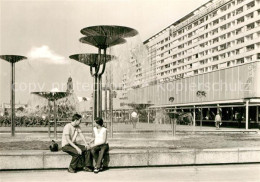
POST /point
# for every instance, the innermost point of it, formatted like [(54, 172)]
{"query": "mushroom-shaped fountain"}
[(94, 61), (53, 96), (102, 37), (12, 59)]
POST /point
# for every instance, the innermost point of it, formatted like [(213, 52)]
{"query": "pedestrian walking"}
[(218, 121)]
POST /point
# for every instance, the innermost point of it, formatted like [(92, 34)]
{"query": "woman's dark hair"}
[(76, 117), (99, 121)]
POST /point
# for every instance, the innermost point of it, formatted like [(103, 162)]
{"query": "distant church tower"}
[(70, 85)]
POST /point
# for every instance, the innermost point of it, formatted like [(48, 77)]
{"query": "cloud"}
[(46, 54)]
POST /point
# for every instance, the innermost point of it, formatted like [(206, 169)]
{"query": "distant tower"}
[(70, 85)]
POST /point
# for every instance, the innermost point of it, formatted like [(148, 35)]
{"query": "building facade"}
[(214, 49)]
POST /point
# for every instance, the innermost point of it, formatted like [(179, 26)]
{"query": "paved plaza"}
[(218, 173)]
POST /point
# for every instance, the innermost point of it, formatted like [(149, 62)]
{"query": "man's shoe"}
[(96, 170), (70, 170), (87, 169)]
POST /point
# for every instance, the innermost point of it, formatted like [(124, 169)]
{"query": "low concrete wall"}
[(131, 157)]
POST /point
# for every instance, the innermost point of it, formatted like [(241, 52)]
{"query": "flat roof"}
[(179, 21)]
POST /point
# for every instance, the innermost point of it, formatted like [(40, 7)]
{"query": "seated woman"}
[(100, 146)]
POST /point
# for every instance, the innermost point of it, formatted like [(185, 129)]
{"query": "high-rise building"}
[(213, 50)]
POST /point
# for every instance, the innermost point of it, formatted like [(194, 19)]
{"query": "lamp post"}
[(173, 116), (200, 94), (12, 59)]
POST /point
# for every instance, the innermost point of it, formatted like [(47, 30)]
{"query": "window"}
[(240, 61), (249, 37), (250, 47), (239, 10), (214, 14), (249, 58), (228, 63), (201, 37), (228, 54), (214, 67), (215, 49), (241, 40), (215, 40), (239, 1), (214, 31), (215, 22), (223, 37), (238, 31), (250, 15), (215, 58), (237, 51), (223, 8), (258, 56), (223, 18), (222, 47), (240, 20), (228, 15), (250, 26), (180, 31), (228, 35), (250, 5), (222, 56)]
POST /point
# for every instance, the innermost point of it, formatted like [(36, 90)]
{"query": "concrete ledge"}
[(215, 156), (131, 157), (249, 155)]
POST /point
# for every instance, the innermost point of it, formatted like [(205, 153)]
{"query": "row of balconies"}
[(231, 61), (214, 28), (252, 47), (234, 28), (218, 47)]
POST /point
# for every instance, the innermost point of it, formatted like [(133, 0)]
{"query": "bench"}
[(44, 159)]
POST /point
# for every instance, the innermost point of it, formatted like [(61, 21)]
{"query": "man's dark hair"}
[(76, 117), (99, 121)]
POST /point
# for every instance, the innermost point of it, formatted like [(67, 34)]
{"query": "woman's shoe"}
[(96, 170)]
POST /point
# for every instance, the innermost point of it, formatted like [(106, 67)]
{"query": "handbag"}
[(54, 147)]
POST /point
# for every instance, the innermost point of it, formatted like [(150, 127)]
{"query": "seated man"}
[(81, 157)]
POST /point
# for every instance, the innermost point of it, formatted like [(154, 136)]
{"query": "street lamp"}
[(12, 59), (173, 116), (200, 94)]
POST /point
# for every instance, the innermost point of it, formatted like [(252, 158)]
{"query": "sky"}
[(48, 31)]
